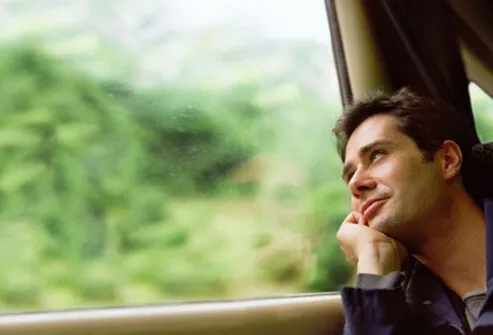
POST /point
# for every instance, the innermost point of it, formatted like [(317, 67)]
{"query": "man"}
[(417, 230)]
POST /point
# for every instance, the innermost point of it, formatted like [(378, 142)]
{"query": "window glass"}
[(163, 151), (483, 112)]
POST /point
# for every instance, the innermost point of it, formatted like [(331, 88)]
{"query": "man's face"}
[(390, 182)]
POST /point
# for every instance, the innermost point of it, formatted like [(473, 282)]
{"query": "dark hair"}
[(428, 123)]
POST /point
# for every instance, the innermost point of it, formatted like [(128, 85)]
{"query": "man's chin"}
[(380, 224)]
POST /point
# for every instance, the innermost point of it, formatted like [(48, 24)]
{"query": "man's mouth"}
[(371, 206)]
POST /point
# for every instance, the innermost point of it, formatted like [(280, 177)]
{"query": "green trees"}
[(191, 143), (112, 193), (92, 176), (68, 151), (71, 181)]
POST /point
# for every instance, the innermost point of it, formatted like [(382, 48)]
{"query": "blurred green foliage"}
[(112, 193)]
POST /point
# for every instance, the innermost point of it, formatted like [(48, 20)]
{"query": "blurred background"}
[(155, 151)]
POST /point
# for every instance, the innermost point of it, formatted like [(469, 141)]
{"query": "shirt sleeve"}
[(376, 305), (369, 281)]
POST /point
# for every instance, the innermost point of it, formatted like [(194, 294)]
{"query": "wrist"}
[(379, 260)]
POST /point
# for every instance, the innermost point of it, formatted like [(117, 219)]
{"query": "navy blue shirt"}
[(424, 306)]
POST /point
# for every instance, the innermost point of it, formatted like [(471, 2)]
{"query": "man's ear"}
[(451, 157)]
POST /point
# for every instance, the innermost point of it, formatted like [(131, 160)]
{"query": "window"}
[(162, 151), (483, 113)]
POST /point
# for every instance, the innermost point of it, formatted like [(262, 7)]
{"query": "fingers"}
[(349, 255), (352, 234), (345, 233), (355, 218), (348, 235), (360, 219), (350, 218)]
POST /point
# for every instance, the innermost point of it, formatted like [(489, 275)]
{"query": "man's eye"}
[(375, 154), (349, 177)]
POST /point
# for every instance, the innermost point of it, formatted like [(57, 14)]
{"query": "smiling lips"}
[(370, 206)]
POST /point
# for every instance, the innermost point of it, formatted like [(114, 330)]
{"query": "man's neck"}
[(455, 251)]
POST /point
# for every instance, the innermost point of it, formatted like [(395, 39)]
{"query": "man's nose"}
[(360, 183)]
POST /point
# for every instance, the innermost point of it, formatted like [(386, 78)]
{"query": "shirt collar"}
[(428, 297)]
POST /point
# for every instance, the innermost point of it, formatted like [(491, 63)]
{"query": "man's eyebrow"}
[(364, 150)]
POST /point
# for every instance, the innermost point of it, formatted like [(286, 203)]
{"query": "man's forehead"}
[(378, 128)]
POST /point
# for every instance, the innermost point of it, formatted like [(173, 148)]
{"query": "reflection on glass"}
[(166, 152)]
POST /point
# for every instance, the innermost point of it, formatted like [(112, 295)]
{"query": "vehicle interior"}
[(435, 47)]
